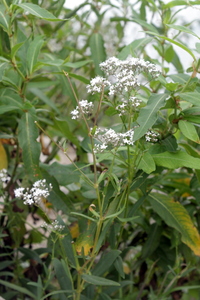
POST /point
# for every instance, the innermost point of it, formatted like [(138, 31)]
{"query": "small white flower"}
[(108, 138), (34, 195), (19, 192), (97, 85), (4, 177), (84, 107), (124, 73), (151, 136), (54, 226)]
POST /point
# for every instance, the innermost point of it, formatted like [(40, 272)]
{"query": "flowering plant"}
[(99, 153)]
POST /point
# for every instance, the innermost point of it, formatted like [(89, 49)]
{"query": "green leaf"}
[(83, 216), (64, 174), (177, 63), (176, 216), (79, 77), (170, 143), (10, 101), (77, 64), (153, 240), (189, 131), (33, 52), (146, 26), (63, 274), (98, 53), (180, 78), (173, 42), (132, 47), (64, 130), (192, 97), (3, 67), (176, 160), (147, 163), (192, 118), (182, 28), (179, 2), (4, 18), (15, 49), (18, 288), (27, 136), (169, 53), (119, 266), (96, 280), (44, 98), (105, 262), (30, 254), (148, 114), (39, 12), (55, 293)]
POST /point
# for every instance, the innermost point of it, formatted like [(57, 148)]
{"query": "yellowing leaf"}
[(176, 216), (85, 240), (126, 268), (74, 230), (3, 158)]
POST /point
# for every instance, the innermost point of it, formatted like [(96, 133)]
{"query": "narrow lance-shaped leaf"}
[(38, 11), (96, 280), (176, 216), (192, 97), (27, 136), (173, 42), (147, 163), (176, 160), (18, 288), (97, 51), (33, 52), (132, 47), (182, 28), (105, 262), (10, 101), (189, 131), (63, 274), (4, 19), (148, 114), (180, 2)]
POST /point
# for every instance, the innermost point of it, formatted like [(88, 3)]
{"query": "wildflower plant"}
[(120, 220)]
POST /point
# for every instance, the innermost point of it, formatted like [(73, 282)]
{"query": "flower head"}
[(4, 177), (97, 85), (54, 226), (84, 107), (108, 138), (151, 136), (34, 195), (123, 74)]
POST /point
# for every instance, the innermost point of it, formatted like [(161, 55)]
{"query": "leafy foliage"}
[(122, 218)]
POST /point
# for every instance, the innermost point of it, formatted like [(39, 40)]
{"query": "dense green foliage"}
[(121, 223)]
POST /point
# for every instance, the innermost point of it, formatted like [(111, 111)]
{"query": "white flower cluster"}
[(151, 136), (84, 107), (126, 106), (4, 177), (123, 75), (97, 85), (31, 196), (54, 226), (110, 138)]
